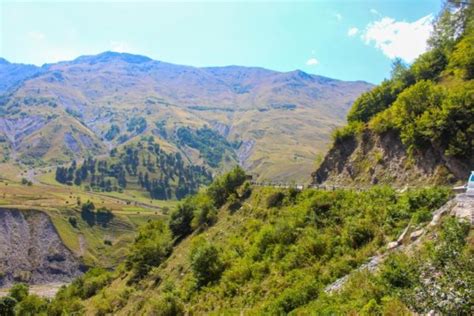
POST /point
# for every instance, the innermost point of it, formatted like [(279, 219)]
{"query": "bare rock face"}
[(370, 159), (31, 250), (416, 234)]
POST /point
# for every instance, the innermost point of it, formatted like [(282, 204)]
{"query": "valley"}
[(132, 186)]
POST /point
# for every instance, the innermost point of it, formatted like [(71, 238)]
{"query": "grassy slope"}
[(267, 284), (60, 203)]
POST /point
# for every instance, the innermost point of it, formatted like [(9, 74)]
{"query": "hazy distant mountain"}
[(276, 122), (13, 74)]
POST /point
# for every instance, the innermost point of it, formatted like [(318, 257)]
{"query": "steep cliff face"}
[(32, 251), (370, 158)]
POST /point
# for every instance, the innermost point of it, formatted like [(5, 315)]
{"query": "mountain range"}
[(275, 122)]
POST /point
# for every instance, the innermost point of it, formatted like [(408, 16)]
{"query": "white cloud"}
[(352, 31), (120, 47), (338, 16), (312, 62), (406, 40), (375, 12), (35, 35)]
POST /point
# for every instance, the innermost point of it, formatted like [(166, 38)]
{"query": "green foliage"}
[(397, 272), (180, 220), (264, 259), (206, 264), (275, 199), (372, 102), (435, 277), (25, 181), (19, 291), (411, 104), (279, 259), (31, 305), (351, 130), (452, 124), (73, 221), (205, 213), (136, 125), (226, 185), (151, 247), (430, 65), (145, 165), (294, 297), (382, 96), (210, 144), (358, 234), (113, 132), (201, 209), (89, 214), (68, 300), (91, 282), (7, 306), (167, 305), (429, 104), (462, 58)]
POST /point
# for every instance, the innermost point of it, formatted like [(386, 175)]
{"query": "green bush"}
[(7, 306), (462, 59), (347, 132), (19, 291), (275, 199), (206, 264), (225, 185), (429, 65), (180, 220), (372, 102), (167, 304), (409, 108), (151, 247), (31, 305)]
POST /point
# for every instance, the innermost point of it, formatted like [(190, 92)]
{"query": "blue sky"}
[(345, 39)]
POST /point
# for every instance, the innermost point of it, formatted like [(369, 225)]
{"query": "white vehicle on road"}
[(470, 185)]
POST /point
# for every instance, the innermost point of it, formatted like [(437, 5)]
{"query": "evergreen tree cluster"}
[(143, 165), (211, 145)]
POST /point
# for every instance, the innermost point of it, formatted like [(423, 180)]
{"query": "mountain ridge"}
[(99, 93)]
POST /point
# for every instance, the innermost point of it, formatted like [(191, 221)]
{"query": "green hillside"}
[(260, 250), (140, 166), (417, 126), (392, 239)]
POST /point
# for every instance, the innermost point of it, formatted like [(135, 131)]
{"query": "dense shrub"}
[(7, 306), (349, 131), (206, 264), (372, 102), (166, 305), (225, 185), (429, 65), (151, 247), (275, 199), (19, 291), (462, 58), (201, 210), (31, 305), (211, 145), (180, 220)]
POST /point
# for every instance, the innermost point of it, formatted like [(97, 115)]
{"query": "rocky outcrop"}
[(371, 158), (32, 251)]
